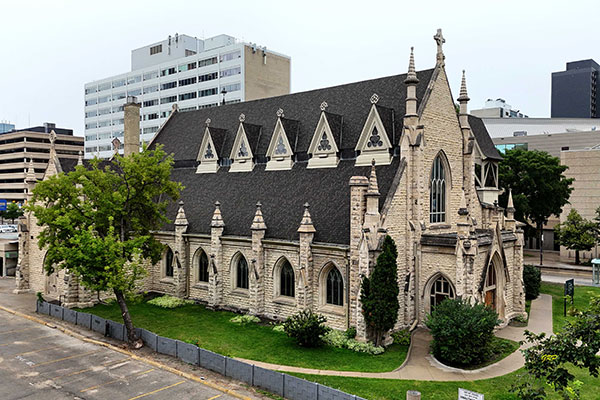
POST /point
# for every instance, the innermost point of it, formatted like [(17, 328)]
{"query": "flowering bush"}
[(244, 319), (169, 302), (340, 339)]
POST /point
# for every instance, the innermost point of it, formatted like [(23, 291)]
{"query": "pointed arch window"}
[(335, 287), (203, 267), (441, 290), (169, 263), (241, 270), (437, 201), (287, 280)]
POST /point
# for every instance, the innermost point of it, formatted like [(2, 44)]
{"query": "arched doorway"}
[(490, 293)]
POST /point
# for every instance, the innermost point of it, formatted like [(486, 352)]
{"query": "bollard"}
[(413, 395)]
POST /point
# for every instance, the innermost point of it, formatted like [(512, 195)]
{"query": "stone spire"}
[(439, 39), (306, 225), (258, 224), (80, 158), (510, 206), (181, 219), (463, 89), (373, 189), (510, 222), (217, 219), (411, 91), (411, 76), (53, 167), (30, 176)]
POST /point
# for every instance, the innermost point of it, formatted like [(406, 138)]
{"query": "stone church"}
[(287, 201)]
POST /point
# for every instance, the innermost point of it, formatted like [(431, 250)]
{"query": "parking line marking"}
[(17, 330), (156, 391), (215, 397), (108, 364), (66, 358), (36, 351), (28, 340), (116, 380)]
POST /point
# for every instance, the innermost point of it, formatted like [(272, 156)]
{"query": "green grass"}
[(581, 300), (394, 389), (213, 331)]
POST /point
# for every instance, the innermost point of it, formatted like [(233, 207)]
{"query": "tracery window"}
[(243, 150), (324, 143), (280, 148), (169, 263), (209, 153), (437, 201), (242, 273), (203, 267), (374, 139), (286, 280), (335, 287), (441, 290)]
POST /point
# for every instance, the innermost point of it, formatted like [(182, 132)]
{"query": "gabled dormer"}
[(374, 142), (210, 146), (244, 145), (283, 142), (323, 147)]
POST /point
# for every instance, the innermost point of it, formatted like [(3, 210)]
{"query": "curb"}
[(128, 353)]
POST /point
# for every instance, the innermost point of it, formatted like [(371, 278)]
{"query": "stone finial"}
[(207, 122), (280, 113), (217, 218), (306, 225), (411, 76), (463, 89), (324, 106), (258, 224), (242, 117), (373, 189), (30, 176), (175, 108), (510, 206), (180, 219), (116, 143), (374, 98), (52, 137), (440, 40), (80, 158), (462, 208)]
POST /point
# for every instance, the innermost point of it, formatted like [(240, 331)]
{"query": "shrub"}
[(351, 332), (244, 319), (279, 328), (462, 333), (532, 279), (340, 339), (306, 327), (401, 337), (167, 301)]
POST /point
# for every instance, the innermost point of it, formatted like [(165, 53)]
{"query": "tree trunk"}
[(132, 338), (541, 233), (577, 257)]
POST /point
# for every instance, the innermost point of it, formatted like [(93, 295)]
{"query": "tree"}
[(13, 211), (97, 221), (379, 292), (538, 186), (576, 233), (549, 357)]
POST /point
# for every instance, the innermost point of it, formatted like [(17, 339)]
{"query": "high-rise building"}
[(575, 91), (28, 150), (184, 71), (498, 108), (6, 127)]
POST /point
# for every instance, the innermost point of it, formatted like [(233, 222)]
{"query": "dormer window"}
[(323, 147), (374, 142), (280, 150), (207, 155), (241, 152)]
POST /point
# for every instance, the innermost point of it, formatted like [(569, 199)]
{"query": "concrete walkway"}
[(421, 366)]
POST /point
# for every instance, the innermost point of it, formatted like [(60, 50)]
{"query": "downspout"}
[(417, 280), (348, 293)]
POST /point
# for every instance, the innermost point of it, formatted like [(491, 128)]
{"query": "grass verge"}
[(500, 348), (212, 330), (581, 300)]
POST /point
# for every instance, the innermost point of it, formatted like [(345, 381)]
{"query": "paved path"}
[(421, 366), (37, 361)]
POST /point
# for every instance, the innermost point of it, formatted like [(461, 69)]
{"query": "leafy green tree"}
[(13, 211), (549, 357), (97, 221), (539, 187), (576, 233), (379, 292), (532, 280)]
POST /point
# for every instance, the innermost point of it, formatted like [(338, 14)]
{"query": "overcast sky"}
[(50, 49)]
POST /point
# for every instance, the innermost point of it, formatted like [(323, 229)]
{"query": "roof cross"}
[(439, 39)]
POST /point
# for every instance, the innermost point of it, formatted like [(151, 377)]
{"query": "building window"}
[(134, 92), (230, 56), (168, 99), (156, 49), (165, 114), (150, 103), (231, 88), (134, 79), (119, 96), (150, 75), (169, 263), (206, 62), (188, 81), (187, 67), (286, 280), (103, 99), (208, 77), (231, 72), (90, 114), (151, 116), (441, 290), (190, 53), (335, 287), (203, 267), (150, 89), (104, 86), (208, 92), (187, 96), (91, 102), (168, 71), (91, 89), (150, 129), (241, 272), (168, 85), (118, 83), (437, 202)]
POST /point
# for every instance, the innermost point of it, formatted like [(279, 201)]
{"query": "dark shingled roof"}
[(483, 138), (283, 193)]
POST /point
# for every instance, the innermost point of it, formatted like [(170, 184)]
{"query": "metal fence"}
[(282, 384)]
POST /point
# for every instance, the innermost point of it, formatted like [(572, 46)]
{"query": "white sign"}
[(464, 394)]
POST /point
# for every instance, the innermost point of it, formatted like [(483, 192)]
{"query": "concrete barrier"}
[(327, 393), (70, 315), (270, 380), (43, 308), (239, 370), (98, 324), (56, 311), (213, 361), (150, 339), (84, 319), (188, 353), (167, 346), (116, 330), (299, 389)]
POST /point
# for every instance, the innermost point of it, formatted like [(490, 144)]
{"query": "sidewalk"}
[(421, 366)]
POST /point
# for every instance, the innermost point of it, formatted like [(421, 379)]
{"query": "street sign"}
[(464, 394), (2, 205), (569, 291)]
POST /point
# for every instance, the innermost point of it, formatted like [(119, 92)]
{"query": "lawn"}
[(212, 330), (581, 300)]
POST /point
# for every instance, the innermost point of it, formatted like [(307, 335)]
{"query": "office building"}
[(516, 127), (497, 109), (19, 147), (575, 91), (6, 127), (183, 72)]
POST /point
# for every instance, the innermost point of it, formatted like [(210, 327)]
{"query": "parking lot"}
[(38, 362)]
